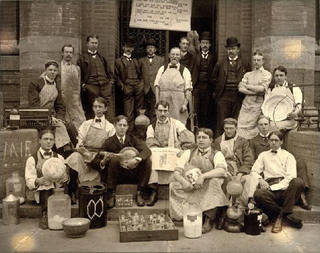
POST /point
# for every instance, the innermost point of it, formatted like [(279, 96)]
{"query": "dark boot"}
[(140, 200), (207, 225), (44, 220), (111, 199), (304, 203), (292, 221), (220, 218), (153, 198), (277, 226)]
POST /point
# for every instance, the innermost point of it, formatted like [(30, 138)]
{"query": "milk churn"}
[(16, 185), (92, 204), (252, 220), (59, 209), (10, 210), (192, 220)]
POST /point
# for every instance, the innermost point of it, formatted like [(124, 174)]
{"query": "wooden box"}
[(147, 228), (124, 200)]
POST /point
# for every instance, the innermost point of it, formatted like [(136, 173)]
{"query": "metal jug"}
[(11, 210)]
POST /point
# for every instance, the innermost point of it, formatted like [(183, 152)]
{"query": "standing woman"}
[(46, 93)]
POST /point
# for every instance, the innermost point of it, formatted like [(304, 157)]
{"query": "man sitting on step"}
[(166, 132), (135, 170)]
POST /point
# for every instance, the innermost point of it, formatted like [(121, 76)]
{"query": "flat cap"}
[(230, 121)]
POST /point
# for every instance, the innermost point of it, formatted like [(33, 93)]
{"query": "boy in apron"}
[(40, 188), (92, 134)]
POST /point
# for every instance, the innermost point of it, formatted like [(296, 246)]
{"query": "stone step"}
[(124, 189), (31, 210)]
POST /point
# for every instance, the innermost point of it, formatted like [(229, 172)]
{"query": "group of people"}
[(97, 143)]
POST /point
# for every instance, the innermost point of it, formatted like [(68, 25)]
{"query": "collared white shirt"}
[(65, 63), (49, 79), (205, 54), (84, 128), (275, 165), (128, 56), (235, 58), (91, 52), (163, 122), (123, 138), (264, 136)]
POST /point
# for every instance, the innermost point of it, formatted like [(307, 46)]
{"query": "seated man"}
[(261, 143), (92, 134), (137, 169), (280, 188), (45, 92), (205, 190), (239, 157), (166, 132), (40, 188)]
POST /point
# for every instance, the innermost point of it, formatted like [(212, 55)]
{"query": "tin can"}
[(11, 210)]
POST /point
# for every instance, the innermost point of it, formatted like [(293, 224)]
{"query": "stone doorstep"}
[(31, 210)]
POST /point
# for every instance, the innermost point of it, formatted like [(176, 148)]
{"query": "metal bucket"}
[(252, 221), (92, 204), (10, 210)]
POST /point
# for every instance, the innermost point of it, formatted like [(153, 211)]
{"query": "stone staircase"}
[(31, 210)]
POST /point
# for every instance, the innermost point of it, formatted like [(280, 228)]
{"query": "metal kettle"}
[(10, 210)]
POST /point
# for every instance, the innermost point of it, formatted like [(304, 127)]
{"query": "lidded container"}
[(10, 210), (192, 220), (59, 209), (141, 124), (16, 185)]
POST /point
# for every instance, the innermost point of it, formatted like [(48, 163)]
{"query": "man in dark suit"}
[(188, 60), (96, 78), (261, 143), (128, 75), (150, 65), (202, 90), (135, 170), (225, 79)]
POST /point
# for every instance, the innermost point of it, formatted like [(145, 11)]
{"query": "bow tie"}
[(98, 120), (128, 58), (274, 152), (232, 62), (265, 138), (150, 57), (49, 83), (173, 66), (47, 153), (93, 54), (205, 56)]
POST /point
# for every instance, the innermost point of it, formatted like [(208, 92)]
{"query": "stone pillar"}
[(285, 32), (45, 26)]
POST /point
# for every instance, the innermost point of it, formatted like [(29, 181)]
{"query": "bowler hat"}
[(129, 42), (230, 121), (205, 36), (232, 42), (150, 42)]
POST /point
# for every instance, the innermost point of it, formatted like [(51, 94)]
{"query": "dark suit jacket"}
[(149, 71), (242, 151), (190, 62), (34, 100), (112, 144), (120, 69), (258, 145), (83, 62), (210, 63), (219, 75)]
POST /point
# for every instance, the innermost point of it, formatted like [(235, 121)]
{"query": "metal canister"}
[(252, 221), (10, 210)]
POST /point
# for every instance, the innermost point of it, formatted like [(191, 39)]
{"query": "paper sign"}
[(174, 15)]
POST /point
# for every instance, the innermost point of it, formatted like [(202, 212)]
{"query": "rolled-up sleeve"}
[(219, 161), (182, 161), (159, 74), (31, 173)]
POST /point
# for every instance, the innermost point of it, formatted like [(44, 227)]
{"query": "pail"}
[(92, 203), (192, 221), (252, 221)]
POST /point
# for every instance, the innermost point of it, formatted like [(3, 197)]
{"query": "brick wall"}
[(234, 18), (102, 18)]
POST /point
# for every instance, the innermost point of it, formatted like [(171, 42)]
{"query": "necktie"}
[(172, 66), (98, 120), (273, 151), (205, 56), (47, 153), (265, 138), (121, 140), (50, 83), (233, 62), (202, 152), (129, 59), (94, 54)]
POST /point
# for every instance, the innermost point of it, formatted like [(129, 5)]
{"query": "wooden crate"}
[(139, 232)]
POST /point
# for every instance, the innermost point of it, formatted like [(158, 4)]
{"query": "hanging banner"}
[(174, 15)]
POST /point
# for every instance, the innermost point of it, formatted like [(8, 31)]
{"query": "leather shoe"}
[(220, 223), (140, 200), (207, 225), (277, 226), (44, 221), (304, 203), (294, 222), (263, 228), (111, 200), (153, 198)]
